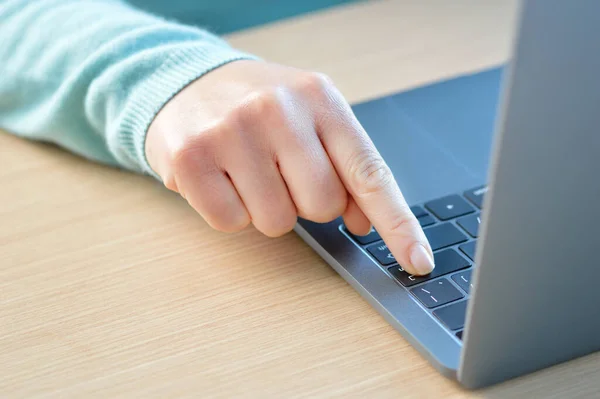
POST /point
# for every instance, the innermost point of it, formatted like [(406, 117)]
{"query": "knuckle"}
[(315, 83), (327, 209), (260, 106), (183, 159), (280, 225), (193, 156), (338, 206), (229, 225), (193, 151), (368, 173), (402, 223), (220, 213)]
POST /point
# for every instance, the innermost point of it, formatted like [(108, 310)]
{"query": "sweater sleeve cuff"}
[(177, 71)]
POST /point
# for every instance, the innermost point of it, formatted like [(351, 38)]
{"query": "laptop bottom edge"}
[(446, 366)]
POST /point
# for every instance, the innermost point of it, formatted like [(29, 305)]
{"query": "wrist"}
[(149, 97)]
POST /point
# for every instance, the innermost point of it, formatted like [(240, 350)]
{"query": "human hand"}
[(263, 143)]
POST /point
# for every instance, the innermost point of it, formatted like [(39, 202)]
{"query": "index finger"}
[(370, 182)]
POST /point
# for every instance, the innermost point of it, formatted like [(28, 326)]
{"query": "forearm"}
[(91, 75)]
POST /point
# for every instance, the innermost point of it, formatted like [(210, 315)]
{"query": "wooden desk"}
[(112, 286)]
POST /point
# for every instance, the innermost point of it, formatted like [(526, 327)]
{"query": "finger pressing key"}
[(371, 184)]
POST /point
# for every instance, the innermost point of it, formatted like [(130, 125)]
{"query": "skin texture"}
[(254, 142)]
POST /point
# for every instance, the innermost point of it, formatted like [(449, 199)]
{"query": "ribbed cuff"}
[(175, 73)]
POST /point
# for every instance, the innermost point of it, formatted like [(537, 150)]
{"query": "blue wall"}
[(224, 16)]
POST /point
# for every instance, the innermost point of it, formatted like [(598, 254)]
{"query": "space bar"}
[(444, 235)]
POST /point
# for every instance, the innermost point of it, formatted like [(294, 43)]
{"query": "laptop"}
[(502, 169)]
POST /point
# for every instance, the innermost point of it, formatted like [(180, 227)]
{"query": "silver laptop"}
[(510, 202)]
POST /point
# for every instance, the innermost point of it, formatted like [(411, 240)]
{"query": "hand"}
[(262, 143)]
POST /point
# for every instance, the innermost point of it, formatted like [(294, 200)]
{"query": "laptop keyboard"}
[(451, 225)]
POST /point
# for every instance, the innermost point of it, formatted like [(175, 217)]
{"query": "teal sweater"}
[(90, 75)]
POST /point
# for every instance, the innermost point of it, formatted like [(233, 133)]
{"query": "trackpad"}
[(437, 138)]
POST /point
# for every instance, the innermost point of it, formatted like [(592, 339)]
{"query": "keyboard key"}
[(436, 293), (459, 334), (470, 224), (418, 211), (449, 207), (453, 316), (446, 261), (469, 249), (476, 195), (426, 220), (444, 235), (369, 238), (381, 252), (463, 280)]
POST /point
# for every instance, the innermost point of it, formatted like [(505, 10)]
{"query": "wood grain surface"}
[(111, 286)]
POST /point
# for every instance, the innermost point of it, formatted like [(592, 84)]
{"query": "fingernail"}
[(421, 260)]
